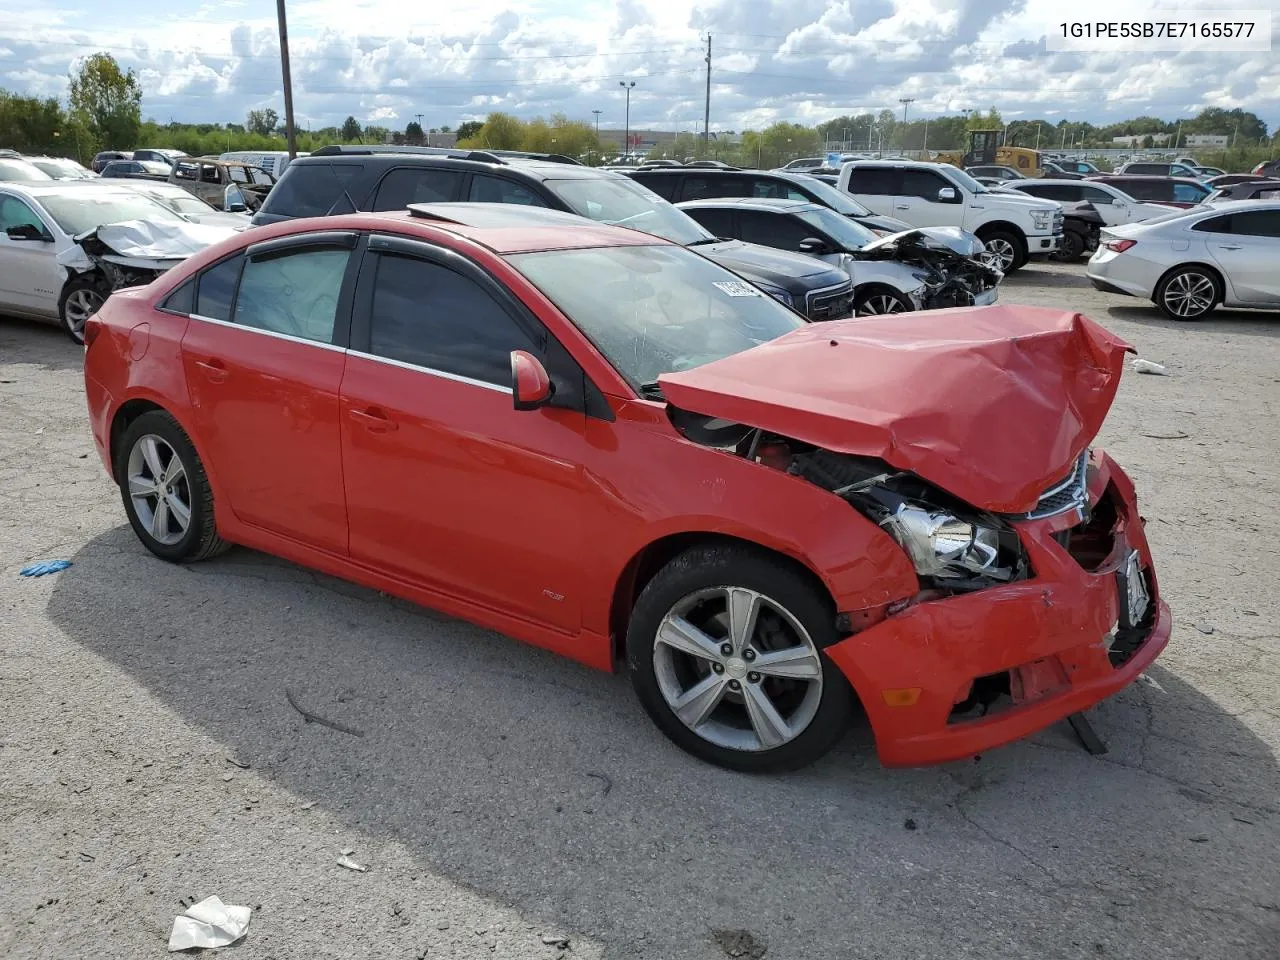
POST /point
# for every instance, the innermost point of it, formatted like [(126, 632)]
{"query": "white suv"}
[(1013, 227)]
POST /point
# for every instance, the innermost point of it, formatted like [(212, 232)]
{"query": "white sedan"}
[(1192, 261), (46, 274)]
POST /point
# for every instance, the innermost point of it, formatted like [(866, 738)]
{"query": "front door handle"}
[(1229, 246), (213, 370), (373, 420), (902, 206)]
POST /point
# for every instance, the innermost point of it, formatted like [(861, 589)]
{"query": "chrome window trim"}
[(267, 333), (431, 371)]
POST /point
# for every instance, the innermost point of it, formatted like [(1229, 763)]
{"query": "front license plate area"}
[(1131, 586), (985, 298)]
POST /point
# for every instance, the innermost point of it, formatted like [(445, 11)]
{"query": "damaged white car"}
[(917, 269), (65, 247)]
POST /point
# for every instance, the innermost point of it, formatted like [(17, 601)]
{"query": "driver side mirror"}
[(948, 195), (233, 200), (26, 231), (531, 388), (814, 246)]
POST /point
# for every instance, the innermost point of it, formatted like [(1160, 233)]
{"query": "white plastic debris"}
[(1150, 366), (209, 923), (346, 861)]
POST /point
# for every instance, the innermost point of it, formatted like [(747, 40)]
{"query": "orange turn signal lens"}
[(902, 696)]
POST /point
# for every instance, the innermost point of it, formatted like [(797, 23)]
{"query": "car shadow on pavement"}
[(1250, 323), (1030, 276), (542, 783), (43, 344)]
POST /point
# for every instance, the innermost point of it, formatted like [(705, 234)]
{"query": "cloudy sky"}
[(803, 60)]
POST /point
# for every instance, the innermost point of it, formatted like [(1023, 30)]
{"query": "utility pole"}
[(706, 110), (1037, 136), (597, 113), (626, 149), (290, 134), (904, 101)]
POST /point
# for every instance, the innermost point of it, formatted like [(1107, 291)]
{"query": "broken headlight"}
[(945, 546)]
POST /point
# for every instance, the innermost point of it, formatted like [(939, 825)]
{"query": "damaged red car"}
[(606, 445)]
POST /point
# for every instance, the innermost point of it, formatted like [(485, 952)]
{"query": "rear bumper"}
[(1048, 635), (100, 404)]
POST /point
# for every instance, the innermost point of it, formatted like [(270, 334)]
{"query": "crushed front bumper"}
[(1052, 637)]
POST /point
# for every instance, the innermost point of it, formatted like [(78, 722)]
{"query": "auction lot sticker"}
[(1153, 31)]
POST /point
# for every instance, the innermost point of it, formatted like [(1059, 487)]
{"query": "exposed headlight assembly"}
[(944, 546)]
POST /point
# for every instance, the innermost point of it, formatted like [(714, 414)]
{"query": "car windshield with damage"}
[(81, 212), (848, 233), (625, 203), (656, 309)]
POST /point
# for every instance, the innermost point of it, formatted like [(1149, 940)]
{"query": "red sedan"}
[(606, 445)]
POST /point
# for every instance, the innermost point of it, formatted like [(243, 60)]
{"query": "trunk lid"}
[(992, 404)]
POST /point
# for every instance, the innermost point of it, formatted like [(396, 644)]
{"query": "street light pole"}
[(290, 133), (626, 150), (597, 113)]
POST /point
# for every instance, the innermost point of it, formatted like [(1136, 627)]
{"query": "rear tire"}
[(165, 490), (1188, 293), (1072, 248), (774, 701)]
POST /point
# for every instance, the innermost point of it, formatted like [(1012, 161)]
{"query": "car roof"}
[(530, 166), (771, 204), (1239, 206), (47, 188), (1053, 181), (507, 228)]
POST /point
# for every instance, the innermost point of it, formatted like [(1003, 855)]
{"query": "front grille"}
[(1070, 493), (830, 303)]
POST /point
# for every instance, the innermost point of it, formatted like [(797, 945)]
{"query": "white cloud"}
[(805, 60)]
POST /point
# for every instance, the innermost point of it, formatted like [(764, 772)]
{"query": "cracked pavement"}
[(503, 798)]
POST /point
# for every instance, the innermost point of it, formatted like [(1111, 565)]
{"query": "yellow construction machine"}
[(987, 148)]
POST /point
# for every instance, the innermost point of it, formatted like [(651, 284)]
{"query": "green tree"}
[(350, 130), (413, 130), (263, 122), (500, 131), (107, 101), (32, 125), (468, 129)]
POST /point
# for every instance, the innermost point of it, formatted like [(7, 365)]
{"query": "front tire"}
[(82, 297), (166, 492), (1188, 293), (1007, 249), (879, 301), (724, 651), (1072, 248)]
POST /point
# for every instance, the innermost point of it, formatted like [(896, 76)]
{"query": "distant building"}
[(1138, 139), (1206, 140), (426, 140)]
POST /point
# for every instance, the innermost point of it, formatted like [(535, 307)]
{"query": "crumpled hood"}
[(159, 239), (958, 241), (762, 260), (992, 404)]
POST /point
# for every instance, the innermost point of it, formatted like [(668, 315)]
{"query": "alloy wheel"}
[(881, 303), (1190, 295), (159, 489), (738, 669), (80, 306), (1002, 253)]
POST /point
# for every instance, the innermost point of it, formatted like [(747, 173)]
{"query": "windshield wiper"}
[(698, 243), (651, 390)]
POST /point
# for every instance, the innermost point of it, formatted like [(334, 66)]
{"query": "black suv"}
[(336, 180), (698, 184)]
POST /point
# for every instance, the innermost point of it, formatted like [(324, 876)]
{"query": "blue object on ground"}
[(43, 567)]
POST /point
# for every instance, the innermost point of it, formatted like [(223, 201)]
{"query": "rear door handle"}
[(1229, 246), (902, 206), (213, 369), (373, 420)]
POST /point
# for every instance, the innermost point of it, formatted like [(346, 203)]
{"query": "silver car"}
[(1191, 261)]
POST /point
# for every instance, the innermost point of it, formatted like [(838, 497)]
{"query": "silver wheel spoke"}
[(160, 520), (140, 486), (679, 634), (744, 608), (794, 663), (174, 471), (151, 455), (696, 704), (767, 723), (181, 513)]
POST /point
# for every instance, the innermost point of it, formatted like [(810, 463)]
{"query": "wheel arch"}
[(653, 556), (1006, 226), (1208, 268), (129, 411)]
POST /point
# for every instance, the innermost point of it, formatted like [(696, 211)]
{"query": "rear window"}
[(664, 185), (310, 189)]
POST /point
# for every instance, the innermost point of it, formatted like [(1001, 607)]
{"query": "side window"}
[(293, 293), (876, 181), (15, 213), (699, 188), (1257, 223), (428, 315), (486, 189), (1214, 225), (407, 185), (772, 229), (1144, 190), (664, 185), (217, 288), (182, 300), (1094, 195), (924, 184), (770, 189), (235, 174), (717, 222), (1187, 193), (311, 189)]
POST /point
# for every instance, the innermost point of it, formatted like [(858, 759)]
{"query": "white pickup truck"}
[(1013, 227)]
